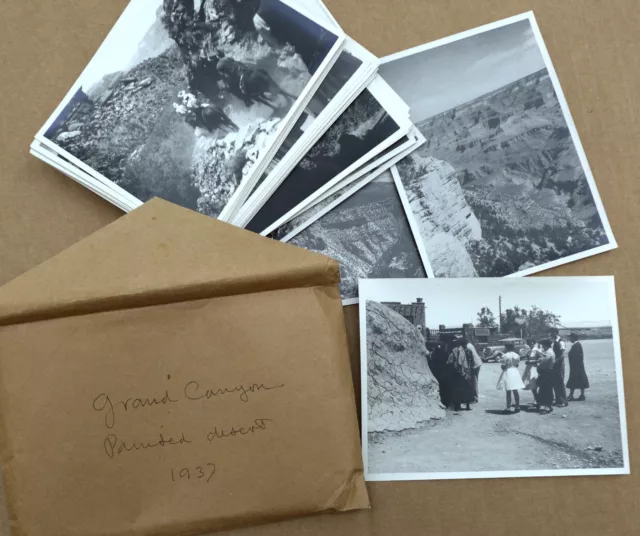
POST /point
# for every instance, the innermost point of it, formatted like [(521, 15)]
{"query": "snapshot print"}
[(344, 188), (492, 377), (367, 232), (343, 74), (365, 129), (502, 185), (185, 96)]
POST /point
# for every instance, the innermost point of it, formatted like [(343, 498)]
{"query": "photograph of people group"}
[(491, 377)]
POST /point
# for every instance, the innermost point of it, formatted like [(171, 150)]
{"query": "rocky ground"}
[(369, 235), (583, 435)]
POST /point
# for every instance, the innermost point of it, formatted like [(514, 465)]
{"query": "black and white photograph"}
[(367, 232), (349, 75), (502, 186), (342, 191), (368, 127), (491, 378), (186, 97)]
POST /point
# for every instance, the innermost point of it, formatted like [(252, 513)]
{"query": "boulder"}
[(402, 392)]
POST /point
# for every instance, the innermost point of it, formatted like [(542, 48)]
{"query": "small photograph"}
[(362, 132), (502, 186), (342, 191), (367, 232), (186, 96), (344, 68), (491, 378), (345, 74)]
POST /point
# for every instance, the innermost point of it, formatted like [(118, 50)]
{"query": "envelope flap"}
[(159, 253)]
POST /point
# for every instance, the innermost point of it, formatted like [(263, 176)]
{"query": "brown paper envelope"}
[(174, 374)]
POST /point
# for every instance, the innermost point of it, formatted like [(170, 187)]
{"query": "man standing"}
[(559, 389), (477, 363)]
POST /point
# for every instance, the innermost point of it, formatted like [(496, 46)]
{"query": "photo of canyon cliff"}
[(500, 186), (368, 234), (186, 96)]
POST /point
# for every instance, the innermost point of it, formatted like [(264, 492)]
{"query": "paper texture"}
[(131, 406)]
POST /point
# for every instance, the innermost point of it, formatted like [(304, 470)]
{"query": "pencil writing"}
[(114, 445), (103, 403), (221, 433), (193, 391)]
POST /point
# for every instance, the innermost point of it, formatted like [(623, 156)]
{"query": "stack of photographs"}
[(457, 158), (499, 184), (187, 100)]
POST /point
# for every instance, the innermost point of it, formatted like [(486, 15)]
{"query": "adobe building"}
[(413, 312)]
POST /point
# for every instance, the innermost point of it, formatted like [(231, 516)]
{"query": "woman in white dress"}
[(510, 379)]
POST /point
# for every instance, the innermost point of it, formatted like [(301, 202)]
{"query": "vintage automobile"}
[(494, 352)]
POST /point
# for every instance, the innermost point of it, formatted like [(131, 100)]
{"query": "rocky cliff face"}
[(446, 221), (126, 127), (401, 390), (512, 153), (129, 105), (369, 235)]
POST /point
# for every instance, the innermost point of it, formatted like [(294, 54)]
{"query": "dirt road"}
[(583, 435)]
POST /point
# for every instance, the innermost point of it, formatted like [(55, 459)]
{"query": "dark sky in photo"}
[(436, 80)]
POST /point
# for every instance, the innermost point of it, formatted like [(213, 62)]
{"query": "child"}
[(510, 377)]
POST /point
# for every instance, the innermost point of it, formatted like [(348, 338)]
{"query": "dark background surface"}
[(594, 46)]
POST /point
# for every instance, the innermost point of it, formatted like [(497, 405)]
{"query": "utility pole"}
[(500, 313)]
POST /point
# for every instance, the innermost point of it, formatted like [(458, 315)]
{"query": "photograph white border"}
[(57, 163), (389, 154), (332, 111), (388, 477), (354, 189), (529, 16), (128, 19), (392, 104), (352, 173)]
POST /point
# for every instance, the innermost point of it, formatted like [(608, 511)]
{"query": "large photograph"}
[(492, 377), (185, 97), (502, 185), (367, 232)]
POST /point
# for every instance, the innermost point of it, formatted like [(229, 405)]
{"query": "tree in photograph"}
[(536, 321), (509, 323), (539, 322), (486, 319)]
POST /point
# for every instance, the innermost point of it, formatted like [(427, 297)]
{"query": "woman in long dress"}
[(544, 382), (577, 374), (510, 379), (460, 365)]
